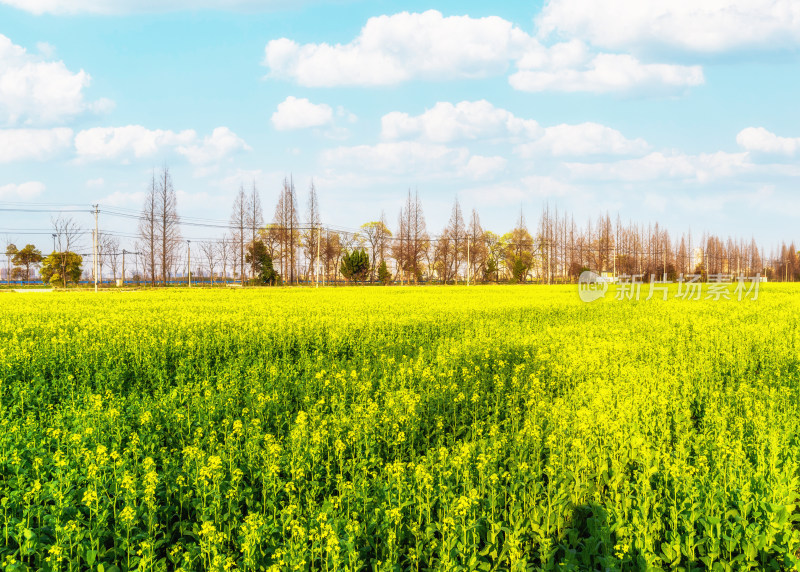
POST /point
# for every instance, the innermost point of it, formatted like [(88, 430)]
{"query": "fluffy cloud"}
[(516, 192), (660, 166), (400, 47), (446, 122), (36, 144), (480, 167), (470, 120), (121, 142), (34, 91), (414, 158), (707, 26), (22, 191), (300, 113), (221, 143), (397, 158), (760, 140), (406, 46), (102, 143), (137, 6), (582, 139), (601, 73)]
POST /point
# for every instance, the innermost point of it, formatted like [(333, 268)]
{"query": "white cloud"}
[(300, 113), (546, 186), (446, 122), (138, 6), (235, 177), (221, 143), (472, 120), (764, 141), (46, 49), (123, 143), (706, 26), (479, 167), (346, 115), (421, 160), (660, 166), (397, 158), (602, 73), (33, 144), (528, 188), (95, 183), (405, 46), (22, 191), (34, 91), (582, 139), (400, 47)]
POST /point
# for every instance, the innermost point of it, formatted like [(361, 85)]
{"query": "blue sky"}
[(661, 111)]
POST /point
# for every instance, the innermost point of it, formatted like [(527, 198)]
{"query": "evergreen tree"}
[(384, 276), (355, 265)]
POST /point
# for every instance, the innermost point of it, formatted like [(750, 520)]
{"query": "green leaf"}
[(90, 556)]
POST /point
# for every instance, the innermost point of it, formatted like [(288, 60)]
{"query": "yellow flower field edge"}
[(462, 428)]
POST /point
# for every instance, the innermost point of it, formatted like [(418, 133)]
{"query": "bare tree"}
[(254, 218), (11, 249), (167, 224), (401, 246), (112, 254), (294, 231), (107, 253), (444, 256), (419, 241), (225, 251), (210, 251), (67, 232), (287, 226), (384, 238), (477, 251), (411, 245), (239, 226), (311, 236), (148, 232), (331, 253), (457, 234)]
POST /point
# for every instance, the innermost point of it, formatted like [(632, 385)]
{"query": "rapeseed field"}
[(427, 428)]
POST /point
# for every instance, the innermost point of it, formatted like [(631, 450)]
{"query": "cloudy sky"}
[(676, 111)]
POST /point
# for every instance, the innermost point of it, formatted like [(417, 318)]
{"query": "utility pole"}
[(54, 241), (468, 266), (96, 240), (123, 266), (615, 262), (319, 240), (189, 261)]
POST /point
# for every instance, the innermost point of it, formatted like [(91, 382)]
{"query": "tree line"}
[(295, 247)]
